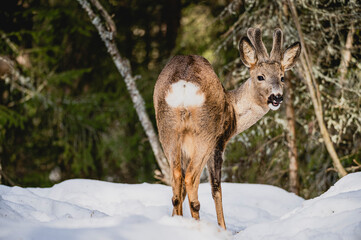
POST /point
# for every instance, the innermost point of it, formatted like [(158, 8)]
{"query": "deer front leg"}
[(214, 168)]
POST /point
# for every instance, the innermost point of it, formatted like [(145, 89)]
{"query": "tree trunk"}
[(291, 139), (346, 54), (315, 94), (107, 33)]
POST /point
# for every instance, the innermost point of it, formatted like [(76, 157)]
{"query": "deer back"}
[(189, 98)]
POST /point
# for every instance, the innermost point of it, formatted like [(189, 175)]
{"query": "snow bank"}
[(89, 209), (334, 215)]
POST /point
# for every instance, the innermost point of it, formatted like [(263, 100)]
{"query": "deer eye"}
[(282, 79), (260, 78)]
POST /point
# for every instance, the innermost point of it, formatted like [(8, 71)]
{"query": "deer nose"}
[(278, 98), (276, 90)]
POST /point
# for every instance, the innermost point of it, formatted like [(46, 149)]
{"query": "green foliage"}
[(74, 114), (325, 28), (9, 118), (69, 109)]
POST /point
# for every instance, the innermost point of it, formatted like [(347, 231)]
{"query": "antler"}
[(276, 53), (255, 35)]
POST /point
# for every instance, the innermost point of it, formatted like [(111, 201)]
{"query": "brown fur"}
[(193, 136)]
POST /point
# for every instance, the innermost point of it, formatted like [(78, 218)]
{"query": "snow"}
[(89, 209)]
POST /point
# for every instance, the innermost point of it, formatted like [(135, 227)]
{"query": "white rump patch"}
[(184, 94)]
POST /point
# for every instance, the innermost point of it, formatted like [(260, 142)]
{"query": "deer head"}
[(267, 72)]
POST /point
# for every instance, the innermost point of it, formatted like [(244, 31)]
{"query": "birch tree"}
[(107, 31)]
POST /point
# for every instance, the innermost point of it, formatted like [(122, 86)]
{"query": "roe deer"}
[(196, 116)]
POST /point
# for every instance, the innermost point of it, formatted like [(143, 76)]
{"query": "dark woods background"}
[(65, 111)]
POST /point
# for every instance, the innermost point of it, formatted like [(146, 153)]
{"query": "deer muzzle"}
[(274, 101)]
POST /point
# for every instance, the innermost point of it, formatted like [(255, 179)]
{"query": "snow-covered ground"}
[(88, 209)]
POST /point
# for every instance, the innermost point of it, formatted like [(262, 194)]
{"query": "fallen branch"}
[(3, 175)]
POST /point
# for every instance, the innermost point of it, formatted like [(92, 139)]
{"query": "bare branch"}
[(232, 9), (11, 75), (111, 25), (125, 71), (315, 94), (346, 54)]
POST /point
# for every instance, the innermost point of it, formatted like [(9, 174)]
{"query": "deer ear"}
[(247, 52), (290, 56)]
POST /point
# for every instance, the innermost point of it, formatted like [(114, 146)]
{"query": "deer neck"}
[(248, 110)]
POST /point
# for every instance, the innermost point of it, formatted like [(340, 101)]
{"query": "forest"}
[(77, 80)]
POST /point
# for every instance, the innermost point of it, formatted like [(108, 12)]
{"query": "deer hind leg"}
[(192, 184), (192, 178), (214, 168), (177, 183)]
